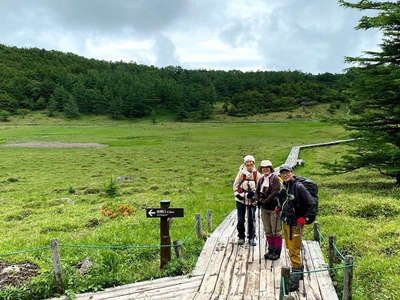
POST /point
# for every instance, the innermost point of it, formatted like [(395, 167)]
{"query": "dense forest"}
[(37, 79)]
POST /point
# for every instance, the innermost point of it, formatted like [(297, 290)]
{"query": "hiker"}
[(299, 208), (244, 188), (268, 188)]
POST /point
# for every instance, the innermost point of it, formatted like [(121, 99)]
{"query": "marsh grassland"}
[(66, 193)]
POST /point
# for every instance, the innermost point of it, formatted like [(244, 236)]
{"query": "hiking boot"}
[(241, 242), (269, 253), (276, 254), (252, 242), (294, 281)]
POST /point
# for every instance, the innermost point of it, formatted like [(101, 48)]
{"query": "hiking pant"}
[(293, 244), (242, 211), (272, 223)]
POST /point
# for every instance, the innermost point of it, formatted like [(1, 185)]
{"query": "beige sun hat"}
[(264, 164)]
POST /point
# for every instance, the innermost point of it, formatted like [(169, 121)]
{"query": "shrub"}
[(112, 189), (4, 116)]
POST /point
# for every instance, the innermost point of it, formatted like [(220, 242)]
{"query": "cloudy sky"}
[(308, 35)]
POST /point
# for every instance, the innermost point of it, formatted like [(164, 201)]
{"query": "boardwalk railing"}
[(55, 245)]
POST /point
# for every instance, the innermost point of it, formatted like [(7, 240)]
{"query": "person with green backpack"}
[(299, 206)]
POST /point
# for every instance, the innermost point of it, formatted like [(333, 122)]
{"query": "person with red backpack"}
[(299, 206), (268, 188), (244, 188)]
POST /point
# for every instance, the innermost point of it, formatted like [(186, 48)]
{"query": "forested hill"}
[(37, 79)]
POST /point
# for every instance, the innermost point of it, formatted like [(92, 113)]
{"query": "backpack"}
[(312, 188), (244, 178)]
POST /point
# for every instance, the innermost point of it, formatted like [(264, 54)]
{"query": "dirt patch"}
[(16, 275), (54, 145)]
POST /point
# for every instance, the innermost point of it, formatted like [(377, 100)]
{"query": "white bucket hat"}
[(264, 164)]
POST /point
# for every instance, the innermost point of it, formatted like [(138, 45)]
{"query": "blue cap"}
[(285, 168)]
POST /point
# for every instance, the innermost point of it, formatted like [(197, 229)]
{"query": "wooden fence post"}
[(332, 251), (285, 273), (198, 226), (57, 266), (178, 249), (316, 232), (209, 220), (348, 278)]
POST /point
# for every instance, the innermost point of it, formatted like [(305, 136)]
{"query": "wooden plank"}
[(133, 292), (239, 271), (218, 259), (139, 286), (263, 265), (223, 282), (206, 253), (212, 272), (276, 266), (310, 279), (328, 143), (162, 293), (324, 280), (270, 279), (252, 280)]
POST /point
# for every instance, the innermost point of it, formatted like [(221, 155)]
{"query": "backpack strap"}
[(255, 176)]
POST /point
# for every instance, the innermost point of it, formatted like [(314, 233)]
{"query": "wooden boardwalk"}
[(227, 271)]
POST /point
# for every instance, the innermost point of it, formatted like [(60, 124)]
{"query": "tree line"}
[(37, 79)]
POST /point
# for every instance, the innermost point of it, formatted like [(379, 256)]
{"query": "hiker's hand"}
[(300, 222), (277, 210), (240, 197), (250, 194)]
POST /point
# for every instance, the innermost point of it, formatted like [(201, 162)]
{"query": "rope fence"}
[(117, 247), (25, 251)]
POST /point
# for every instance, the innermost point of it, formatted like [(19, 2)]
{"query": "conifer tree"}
[(375, 95)]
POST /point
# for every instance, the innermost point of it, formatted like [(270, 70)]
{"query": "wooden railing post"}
[(285, 273), (198, 226), (178, 249), (316, 232), (209, 220), (348, 278), (57, 266), (332, 251)]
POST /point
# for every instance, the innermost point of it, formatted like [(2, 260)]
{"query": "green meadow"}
[(191, 164)]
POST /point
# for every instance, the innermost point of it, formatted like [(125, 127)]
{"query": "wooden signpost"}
[(164, 213)]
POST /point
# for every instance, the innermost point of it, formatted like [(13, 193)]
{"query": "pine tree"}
[(52, 107), (71, 109), (375, 95)]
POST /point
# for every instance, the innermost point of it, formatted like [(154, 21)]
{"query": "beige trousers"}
[(272, 223)]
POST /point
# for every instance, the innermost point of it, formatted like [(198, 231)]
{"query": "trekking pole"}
[(302, 260), (259, 225)]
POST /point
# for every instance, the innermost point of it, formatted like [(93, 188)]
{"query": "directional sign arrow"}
[(167, 213)]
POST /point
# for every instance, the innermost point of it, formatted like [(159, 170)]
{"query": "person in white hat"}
[(268, 188), (244, 188)]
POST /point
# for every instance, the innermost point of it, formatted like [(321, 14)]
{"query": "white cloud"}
[(312, 36)]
